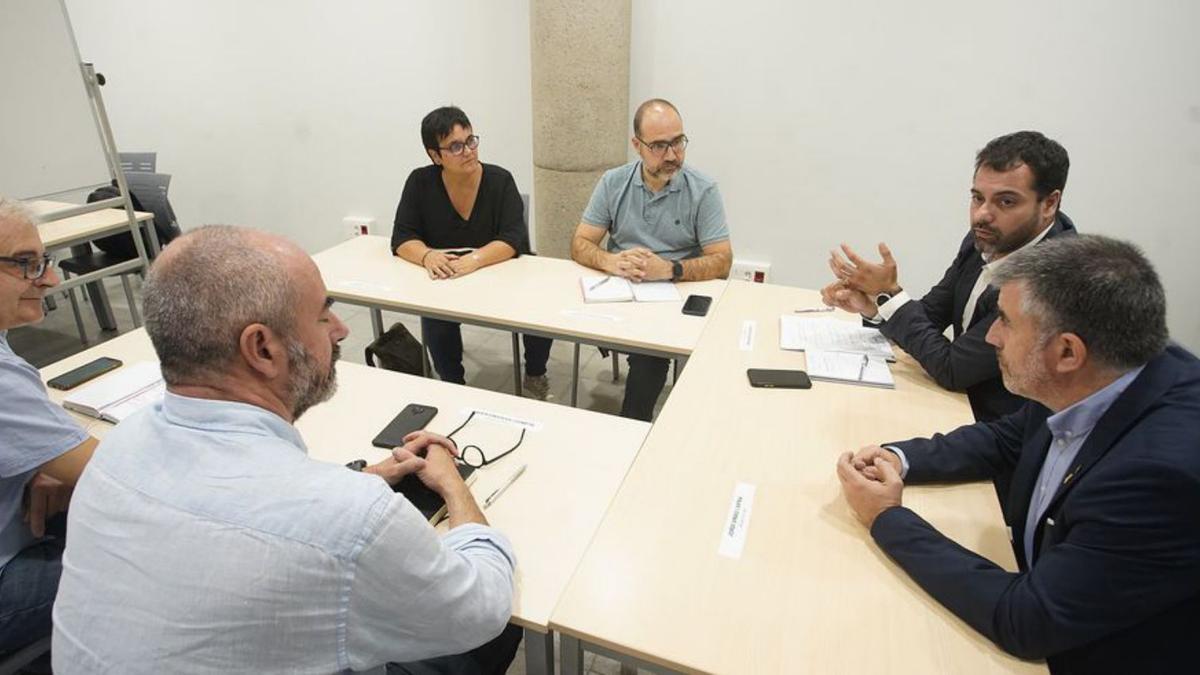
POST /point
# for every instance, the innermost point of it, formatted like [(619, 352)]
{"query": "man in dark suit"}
[(1015, 199), (1105, 500)]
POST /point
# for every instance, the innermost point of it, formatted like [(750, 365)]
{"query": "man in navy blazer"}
[(1105, 500), (1016, 195)]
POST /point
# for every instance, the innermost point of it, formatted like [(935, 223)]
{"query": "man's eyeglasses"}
[(31, 268), (457, 147), (472, 455), (659, 148)]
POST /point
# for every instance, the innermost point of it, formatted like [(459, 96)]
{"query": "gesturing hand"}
[(863, 275), (838, 294)]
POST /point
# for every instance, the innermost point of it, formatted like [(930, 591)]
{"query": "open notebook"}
[(120, 393), (869, 371), (616, 289)]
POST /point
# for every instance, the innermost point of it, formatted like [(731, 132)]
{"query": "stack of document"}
[(831, 335), (839, 351), (849, 368), (119, 394), (616, 289)]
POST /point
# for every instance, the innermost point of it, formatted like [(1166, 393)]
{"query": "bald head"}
[(211, 283), (656, 107)]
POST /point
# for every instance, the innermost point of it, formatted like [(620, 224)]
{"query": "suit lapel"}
[(1033, 455), (1124, 413)]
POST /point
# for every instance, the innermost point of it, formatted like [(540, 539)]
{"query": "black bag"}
[(398, 350)]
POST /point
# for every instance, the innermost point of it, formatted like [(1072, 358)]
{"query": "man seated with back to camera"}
[(204, 539)]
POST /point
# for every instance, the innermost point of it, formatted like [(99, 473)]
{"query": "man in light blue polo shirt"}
[(42, 450), (663, 221)]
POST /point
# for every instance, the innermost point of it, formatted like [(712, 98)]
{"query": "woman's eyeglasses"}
[(457, 147)]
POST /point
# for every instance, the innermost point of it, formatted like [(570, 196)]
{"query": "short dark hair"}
[(1046, 159), (439, 123), (1104, 290), (641, 111)]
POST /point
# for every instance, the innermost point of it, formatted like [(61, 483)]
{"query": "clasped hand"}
[(429, 455), (444, 265), (640, 264), (870, 482)]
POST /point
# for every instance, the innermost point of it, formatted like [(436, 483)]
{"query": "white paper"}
[(847, 367), (605, 289), (746, 339), (114, 389), (832, 335), (501, 418), (737, 523), (656, 291)]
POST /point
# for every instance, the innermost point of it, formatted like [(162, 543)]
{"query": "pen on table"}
[(810, 310), (862, 368), (600, 283), (500, 490)]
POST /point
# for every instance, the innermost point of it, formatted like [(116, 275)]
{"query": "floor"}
[(488, 362)]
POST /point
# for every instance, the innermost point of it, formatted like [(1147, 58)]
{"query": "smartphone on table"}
[(88, 371), (778, 379), (414, 417), (697, 305)]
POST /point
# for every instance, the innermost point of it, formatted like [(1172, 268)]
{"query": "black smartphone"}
[(778, 379), (413, 418), (697, 305), (88, 371)]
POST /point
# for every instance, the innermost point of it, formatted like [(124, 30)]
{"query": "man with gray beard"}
[(203, 538)]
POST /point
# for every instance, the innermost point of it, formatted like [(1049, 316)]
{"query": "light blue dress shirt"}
[(675, 222), (204, 540), (1069, 429), (33, 431)]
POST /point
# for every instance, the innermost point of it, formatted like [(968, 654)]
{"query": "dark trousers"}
[(28, 585), (647, 376), (444, 340), (491, 657)]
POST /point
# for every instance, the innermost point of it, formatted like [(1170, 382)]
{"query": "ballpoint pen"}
[(600, 283), (811, 310), (862, 368), (500, 490)]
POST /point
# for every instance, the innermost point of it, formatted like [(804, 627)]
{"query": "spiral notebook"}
[(848, 368)]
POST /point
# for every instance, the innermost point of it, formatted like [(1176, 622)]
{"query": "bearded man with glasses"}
[(664, 221), (42, 450)]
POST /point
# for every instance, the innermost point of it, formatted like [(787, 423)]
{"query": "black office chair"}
[(149, 193), (14, 662)]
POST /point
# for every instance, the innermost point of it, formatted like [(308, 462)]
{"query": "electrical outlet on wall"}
[(749, 270), (358, 225)]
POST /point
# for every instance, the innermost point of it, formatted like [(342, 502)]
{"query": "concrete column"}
[(580, 71)]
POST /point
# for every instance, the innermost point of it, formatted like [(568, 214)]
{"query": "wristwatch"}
[(676, 271), (885, 296)]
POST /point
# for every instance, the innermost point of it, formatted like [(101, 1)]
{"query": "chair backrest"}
[(151, 190), (144, 162)]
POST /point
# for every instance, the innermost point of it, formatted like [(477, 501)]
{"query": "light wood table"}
[(576, 460), (530, 294), (85, 227), (810, 591)]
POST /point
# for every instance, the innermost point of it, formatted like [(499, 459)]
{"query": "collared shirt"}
[(676, 222), (887, 309), (203, 539), (1069, 429), (33, 431)]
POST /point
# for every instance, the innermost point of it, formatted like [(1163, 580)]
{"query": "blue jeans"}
[(28, 584), (444, 341)]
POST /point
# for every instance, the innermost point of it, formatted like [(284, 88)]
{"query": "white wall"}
[(290, 115), (823, 122), (858, 121)]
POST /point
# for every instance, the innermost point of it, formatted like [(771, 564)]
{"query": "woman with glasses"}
[(456, 216)]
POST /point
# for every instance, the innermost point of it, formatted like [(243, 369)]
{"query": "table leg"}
[(575, 377), (377, 321), (539, 652), (570, 654), (516, 342)]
